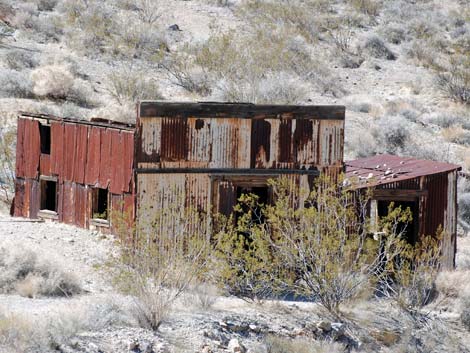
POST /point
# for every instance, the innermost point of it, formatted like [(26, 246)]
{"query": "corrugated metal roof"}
[(383, 169)]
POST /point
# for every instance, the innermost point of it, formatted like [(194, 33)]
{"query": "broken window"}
[(49, 195), (45, 136), (100, 204), (262, 193)]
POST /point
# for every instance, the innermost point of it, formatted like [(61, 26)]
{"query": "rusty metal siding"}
[(31, 148), (105, 161), (20, 157), (450, 223), (239, 143), (57, 148), (83, 155), (80, 154), (92, 169), (20, 210)]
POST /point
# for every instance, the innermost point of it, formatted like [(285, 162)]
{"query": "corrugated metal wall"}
[(82, 156), (198, 159), (437, 208)]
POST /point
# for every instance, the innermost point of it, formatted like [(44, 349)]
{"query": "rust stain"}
[(92, 170)]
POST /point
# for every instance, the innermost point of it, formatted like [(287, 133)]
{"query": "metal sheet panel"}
[(117, 163), (105, 158), (45, 165), (20, 157), (68, 202), (127, 161), (32, 148), (20, 208), (70, 151), (92, 169), (57, 148), (80, 205), (35, 197), (81, 154)]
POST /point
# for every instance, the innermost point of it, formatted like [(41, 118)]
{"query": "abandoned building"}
[(428, 188), (207, 155), (78, 172), (73, 171)]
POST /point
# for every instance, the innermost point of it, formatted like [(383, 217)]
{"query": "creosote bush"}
[(159, 259), (129, 85)]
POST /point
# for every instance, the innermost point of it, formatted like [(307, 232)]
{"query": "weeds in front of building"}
[(317, 246)]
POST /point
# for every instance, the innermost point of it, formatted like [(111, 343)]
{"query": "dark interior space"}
[(263, 198), (100, 203), (49, 195), (45, 135), (411, 229)]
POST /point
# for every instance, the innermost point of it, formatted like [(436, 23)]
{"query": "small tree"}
[(326, 243), (410, 270), (159, 258), (244, 263)]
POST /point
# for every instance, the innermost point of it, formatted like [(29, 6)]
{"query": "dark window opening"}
[(49, 195), (45, 135), (100, 204), (410, 229), (262, 192)]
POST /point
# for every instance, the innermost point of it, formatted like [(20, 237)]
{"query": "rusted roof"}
[(383, 169), (93, 121)]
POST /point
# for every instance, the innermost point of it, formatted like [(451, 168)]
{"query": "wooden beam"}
[(239, 110), (398, 194)]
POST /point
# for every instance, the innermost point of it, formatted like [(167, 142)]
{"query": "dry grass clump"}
[(128, 85), (58, 83), (455, 79), (15, 84), (24, 272), (375, 47), (274, 344), (104, 28), (56, 330)]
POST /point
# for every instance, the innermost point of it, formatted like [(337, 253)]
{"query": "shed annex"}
[(428, 188)]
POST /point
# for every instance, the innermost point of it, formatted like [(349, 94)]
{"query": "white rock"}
[(235, 346)]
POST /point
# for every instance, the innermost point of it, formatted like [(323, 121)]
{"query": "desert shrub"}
[(159, 259), (7, 161), (201, 295), (368, 7), (129, 85), (455, 81), (411, 271), (463, 192), (15, 84), (375, 47), (425, 54), (393, 33), (53, 81), (274, 344), (46, 5), (149, 10), (293, 17), (244, 262), (55, 330), (29, 275), (229, 60), (392, 133), (20, 59), (456, 134), (465, 316), (320, 252), (275, 88)]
